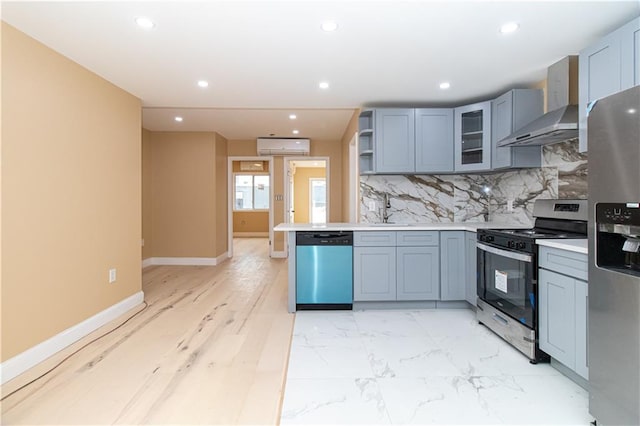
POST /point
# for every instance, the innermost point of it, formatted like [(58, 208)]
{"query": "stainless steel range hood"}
[(561, 122), (555, 126)]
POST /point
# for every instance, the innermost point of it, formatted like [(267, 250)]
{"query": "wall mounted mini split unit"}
[(283, 146)]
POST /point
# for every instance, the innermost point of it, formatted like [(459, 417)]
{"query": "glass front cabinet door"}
[(472, 137)]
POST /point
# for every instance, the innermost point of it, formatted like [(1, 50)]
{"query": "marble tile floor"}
[(418, 367)]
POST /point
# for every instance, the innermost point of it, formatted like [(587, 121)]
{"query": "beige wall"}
[(221, 237), (242, 148), (251, 222), (71, 193), (146, 194), (301, 196), (188, 194), (333, 150)]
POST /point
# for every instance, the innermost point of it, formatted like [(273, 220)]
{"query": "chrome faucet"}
[(487, 214), (386, 205)]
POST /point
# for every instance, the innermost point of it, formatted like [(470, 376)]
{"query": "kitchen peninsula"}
[(409, 265)]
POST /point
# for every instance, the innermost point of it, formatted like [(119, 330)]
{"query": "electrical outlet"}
[(510, 206), (142, 242), (372, 206), (112, 275)]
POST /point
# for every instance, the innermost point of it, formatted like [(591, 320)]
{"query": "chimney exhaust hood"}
[(561, 122)]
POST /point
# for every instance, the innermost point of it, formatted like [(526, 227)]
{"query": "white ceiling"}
[(264, 59)]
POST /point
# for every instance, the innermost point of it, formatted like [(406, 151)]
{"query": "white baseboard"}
[(251, 234), (185, 261), (279, 255), (223, 257), (20, 363)]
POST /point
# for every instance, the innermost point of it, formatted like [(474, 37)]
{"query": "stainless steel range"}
[(508, 272)]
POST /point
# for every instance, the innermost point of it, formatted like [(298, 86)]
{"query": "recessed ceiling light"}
[(295, 132), (631, 110), (445, 85), (323, 85), (203, 83), (329, 26), (509, 28), (144, 22), (178, 119), (292, 116)]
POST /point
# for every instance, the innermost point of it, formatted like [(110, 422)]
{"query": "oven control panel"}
[(507, 241)]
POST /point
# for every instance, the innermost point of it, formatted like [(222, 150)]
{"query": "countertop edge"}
[(460, 226), (574, 245)]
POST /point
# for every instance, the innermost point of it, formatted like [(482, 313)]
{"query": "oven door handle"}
[(506, 253)]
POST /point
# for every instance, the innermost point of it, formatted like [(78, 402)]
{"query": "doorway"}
[(307, 195), (318, 200), (250, 201)]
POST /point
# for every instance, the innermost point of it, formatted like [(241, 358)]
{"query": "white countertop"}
[(577, 245), (459, 226)]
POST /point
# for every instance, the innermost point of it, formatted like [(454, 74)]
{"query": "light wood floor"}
[(211, 348)]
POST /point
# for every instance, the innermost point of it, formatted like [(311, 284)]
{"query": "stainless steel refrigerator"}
[(614, 259)]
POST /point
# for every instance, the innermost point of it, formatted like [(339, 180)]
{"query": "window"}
[(251, 192)]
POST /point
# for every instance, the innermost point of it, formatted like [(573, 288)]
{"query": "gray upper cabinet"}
[(472, 137), (452, 265), (365, 141), (608, 66), (510, 112), (434, 140), (406, 140), (394, 144), (630, 54)]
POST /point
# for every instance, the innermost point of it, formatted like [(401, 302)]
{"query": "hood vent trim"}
[(555, 126)]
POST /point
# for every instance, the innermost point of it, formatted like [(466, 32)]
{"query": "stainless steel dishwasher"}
[(324, 270)]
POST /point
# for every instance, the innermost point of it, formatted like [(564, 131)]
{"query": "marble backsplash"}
[(470, 197)]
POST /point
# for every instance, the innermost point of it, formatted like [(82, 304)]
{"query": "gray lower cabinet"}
[(374, 273), (557, 316), (563, 306), (418, 265), (471, 256), (452, 265), (582, 330), (418, 276), (391, 266)]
